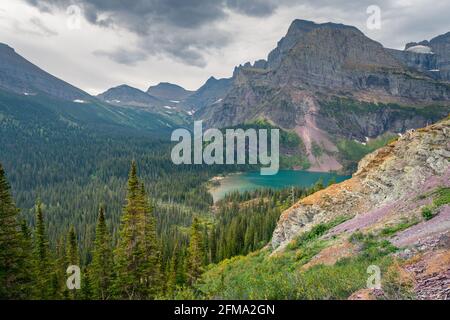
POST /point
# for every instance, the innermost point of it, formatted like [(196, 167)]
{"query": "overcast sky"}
[(98, 44)]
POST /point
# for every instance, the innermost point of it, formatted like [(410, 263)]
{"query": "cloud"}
[(123, 56), (181, 29), (41, 27)]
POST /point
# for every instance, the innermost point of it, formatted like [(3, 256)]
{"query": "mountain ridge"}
[(320, 71)]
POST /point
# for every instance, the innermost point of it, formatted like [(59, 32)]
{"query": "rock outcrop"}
[(391, 184)]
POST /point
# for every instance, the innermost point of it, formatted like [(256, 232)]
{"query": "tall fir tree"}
[(152, 267), (42, 260), (11, 251), (73, 259), (137, 267), (101, 270), (195, 252), (28, 275)]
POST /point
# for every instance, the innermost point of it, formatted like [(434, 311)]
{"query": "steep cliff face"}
[(314, 66), (440, 46), (391, 185)]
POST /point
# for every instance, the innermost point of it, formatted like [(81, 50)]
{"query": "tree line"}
[(131, 269)]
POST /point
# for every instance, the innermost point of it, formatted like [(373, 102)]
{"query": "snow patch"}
[(420, 49), (79, 101)]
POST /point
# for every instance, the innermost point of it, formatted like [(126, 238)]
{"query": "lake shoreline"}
[(221, 185)]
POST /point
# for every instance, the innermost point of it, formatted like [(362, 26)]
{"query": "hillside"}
[(393, 213)]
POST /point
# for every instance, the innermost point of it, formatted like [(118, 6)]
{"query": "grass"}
[(355, 151), (441, 197), (259, 276), (391, 230)]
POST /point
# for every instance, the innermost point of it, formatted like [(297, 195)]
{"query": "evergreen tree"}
[(42, 264), (102, 260), (59, 285), (73, 259), (11, 251), (152, 267), (27, 261), (195, 252), (137, 265)]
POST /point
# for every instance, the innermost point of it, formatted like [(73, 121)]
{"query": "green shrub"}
[(427, 213)]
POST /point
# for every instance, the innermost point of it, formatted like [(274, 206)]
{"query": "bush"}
[(427, 213)]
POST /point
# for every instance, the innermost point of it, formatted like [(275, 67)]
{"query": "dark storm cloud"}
[(182, 29), (185, 29)]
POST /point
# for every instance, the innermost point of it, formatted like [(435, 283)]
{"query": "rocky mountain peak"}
[(297, 32)]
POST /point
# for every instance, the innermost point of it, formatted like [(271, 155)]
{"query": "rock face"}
[(391, 184), (314, 66), (21, 76), (440, 47)]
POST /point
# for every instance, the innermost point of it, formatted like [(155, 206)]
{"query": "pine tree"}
[(11, 258), (42, 264), (195, 254), (152, 267), (73, 259), (102, 260), (137, 265), (27, 261), (59, 285)]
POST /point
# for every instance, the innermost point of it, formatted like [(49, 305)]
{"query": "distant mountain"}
[(211, 92), (335, 88), (169, 91), (440, 50), (126, 95), (21, 76), (33, 101)]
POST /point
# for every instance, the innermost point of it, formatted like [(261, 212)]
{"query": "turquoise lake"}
[(284, 178)]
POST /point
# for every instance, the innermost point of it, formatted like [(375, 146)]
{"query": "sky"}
[(99, 44)]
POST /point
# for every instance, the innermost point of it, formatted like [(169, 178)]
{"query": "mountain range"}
[(332, 86)]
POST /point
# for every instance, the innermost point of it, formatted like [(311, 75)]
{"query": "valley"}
[(364, 178)]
